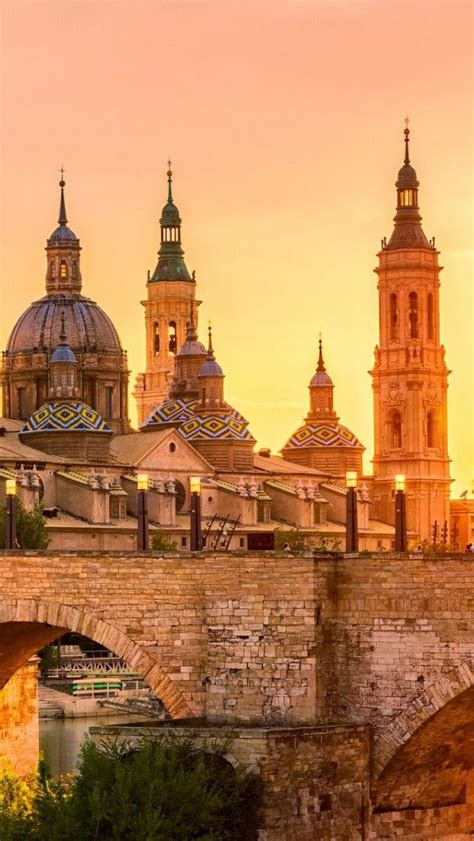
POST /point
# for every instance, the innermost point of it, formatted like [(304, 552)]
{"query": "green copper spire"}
[(171, 265)]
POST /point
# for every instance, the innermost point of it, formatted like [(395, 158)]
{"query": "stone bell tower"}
[(410, 377), (171, 290)]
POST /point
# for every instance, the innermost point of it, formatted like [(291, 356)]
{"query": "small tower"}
[(323, 443), (409, 377), (63, 272), (170, 291), (64, 370), (188, 363), (211, 383)]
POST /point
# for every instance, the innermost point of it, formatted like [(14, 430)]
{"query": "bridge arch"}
[(428, 702), (29, 624)]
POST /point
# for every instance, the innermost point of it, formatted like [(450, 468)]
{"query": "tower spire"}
[(407, 141), (321, 366), (210, 349), (62, 205), (170, 183)]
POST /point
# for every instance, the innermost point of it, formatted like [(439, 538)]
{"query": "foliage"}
[(168, 790), (293, 537), (160, 543), (49, 658), (30, 527)]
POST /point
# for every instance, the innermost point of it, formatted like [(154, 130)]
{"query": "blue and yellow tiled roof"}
[(65, 416), (323, 435)]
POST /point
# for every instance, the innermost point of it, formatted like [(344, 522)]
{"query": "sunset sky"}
[(284, 122)]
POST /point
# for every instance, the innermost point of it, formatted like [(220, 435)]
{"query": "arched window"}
[(396, 431), (430, 316), (431, 429), (413, 314), (156, 340), (393, 316), (172, 338), (63, 270), (51, 269)]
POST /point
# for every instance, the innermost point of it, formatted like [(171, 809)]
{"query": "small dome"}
[(211, 369), (63, 353), (170, 214), (62, 234), (323, 435), (65, 416), (192, 347), (320, 378), (407, 177), (216, 427)]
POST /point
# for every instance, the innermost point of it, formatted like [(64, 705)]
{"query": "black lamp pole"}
[(195, 524), (10, 521), (352, 536), (400, 515), (143, 541)]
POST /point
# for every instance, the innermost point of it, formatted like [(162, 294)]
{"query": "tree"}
[(168, 790), (160, 543), (30, 527)]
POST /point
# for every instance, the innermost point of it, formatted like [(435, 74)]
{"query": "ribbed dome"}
[(407, 177), (320, 378), (88, 327), (211, 368)]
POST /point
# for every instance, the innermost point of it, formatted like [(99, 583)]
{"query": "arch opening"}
[(28, 626)]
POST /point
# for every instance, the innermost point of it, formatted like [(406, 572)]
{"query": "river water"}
[(61, 739)]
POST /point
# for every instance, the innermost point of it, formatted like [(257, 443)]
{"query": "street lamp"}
[(142, 536), (352, 539), (400, 514), (195, 488), (10, 522)]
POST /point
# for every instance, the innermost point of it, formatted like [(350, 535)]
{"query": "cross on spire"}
[(62, 219), (170, 182), (407, 139)]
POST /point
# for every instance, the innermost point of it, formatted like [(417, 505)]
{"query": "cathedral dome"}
[(65, 416), (322, 435), (170, 214), (89, 329)]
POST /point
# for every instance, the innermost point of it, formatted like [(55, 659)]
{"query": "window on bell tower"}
[(172, 337), (156, 340), (393, 316), (430, 317), (431, 429), (413, 314), (396, 431), (63, 269)]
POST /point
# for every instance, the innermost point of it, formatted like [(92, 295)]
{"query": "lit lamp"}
[(10, 522), (195, 488), (352, 540), (142, 536), (400, 514)]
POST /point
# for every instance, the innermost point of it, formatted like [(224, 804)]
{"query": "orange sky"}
[(284, 123)]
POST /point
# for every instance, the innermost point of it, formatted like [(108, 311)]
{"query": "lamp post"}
[(400, 514), (352, 538), (195, 488), (10, 522), (142, 536)]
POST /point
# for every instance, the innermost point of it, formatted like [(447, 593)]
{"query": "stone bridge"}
[(360, 669)]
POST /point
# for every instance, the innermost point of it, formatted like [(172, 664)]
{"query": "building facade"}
[(409, 376)]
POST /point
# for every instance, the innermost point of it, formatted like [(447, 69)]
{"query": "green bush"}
[(165, 790), (160, 543), (30, 527)]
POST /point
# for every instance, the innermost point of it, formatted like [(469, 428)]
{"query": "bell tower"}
[(410, 377), (171, 290)]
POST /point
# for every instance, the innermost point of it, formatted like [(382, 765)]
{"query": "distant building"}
[(410, 377)]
